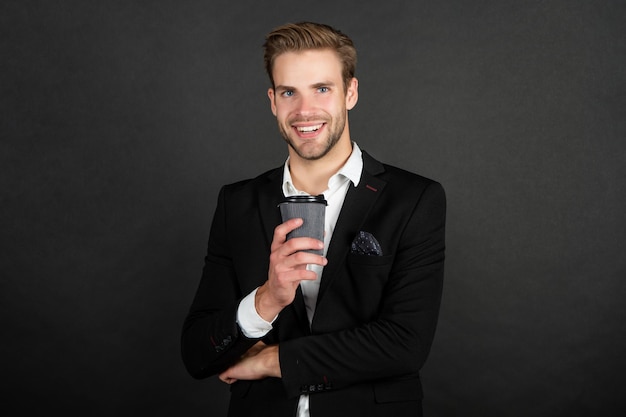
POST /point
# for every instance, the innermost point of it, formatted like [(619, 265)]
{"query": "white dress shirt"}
[(251, 324)]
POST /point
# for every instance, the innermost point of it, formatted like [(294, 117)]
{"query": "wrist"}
[(272, 361), (264, 306)]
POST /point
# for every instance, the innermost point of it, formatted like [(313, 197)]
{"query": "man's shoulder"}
[(395, 175), (412, 190), (406, 175)]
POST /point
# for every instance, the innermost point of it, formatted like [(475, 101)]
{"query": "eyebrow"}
[(316, 85), (283, 87), (323, 84)]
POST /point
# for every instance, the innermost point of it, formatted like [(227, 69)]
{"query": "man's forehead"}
[(311, 63)]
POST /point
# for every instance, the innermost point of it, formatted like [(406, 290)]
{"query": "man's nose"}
[(306, 105)]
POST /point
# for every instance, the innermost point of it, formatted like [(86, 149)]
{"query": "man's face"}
[(310, 103)]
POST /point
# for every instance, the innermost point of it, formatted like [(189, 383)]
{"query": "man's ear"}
[(271, 95), (352, 93)]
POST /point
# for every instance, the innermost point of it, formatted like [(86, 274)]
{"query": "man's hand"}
[(287, 268), (261, 361)]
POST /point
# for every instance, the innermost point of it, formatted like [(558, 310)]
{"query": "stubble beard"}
[(333, 137)]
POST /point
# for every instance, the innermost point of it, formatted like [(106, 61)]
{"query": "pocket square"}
[(366, 244)]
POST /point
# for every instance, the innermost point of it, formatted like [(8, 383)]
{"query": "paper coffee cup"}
[(311, 209)]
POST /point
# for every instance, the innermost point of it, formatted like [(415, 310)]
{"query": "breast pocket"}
[(370, 273), (369, 260)]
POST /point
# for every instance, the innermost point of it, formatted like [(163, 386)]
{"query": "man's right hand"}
[(287, 268)]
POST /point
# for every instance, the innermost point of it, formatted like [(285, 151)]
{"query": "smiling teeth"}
[(305, 129)]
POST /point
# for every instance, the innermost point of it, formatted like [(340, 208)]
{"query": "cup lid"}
[(306, 199)]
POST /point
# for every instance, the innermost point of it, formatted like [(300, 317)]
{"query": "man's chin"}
[(304, 150), (309, 151)]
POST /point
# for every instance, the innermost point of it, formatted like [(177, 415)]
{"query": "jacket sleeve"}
[(396, 342), (211, 339)]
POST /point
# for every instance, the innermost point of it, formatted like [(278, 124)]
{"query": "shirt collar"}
[(351, 170)]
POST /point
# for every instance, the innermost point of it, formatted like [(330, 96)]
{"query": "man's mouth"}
[(309, 129)]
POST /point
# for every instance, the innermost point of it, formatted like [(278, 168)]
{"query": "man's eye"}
[(323, 89), (287, 93)]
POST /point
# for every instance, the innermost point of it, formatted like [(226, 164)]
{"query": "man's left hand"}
[(261, 361)]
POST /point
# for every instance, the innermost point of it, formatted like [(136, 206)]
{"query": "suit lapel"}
[(269, 196), (355, 208)]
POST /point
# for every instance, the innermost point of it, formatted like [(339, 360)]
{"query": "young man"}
[(300, 334)]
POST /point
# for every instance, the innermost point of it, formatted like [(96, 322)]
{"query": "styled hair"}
[(297, 37)]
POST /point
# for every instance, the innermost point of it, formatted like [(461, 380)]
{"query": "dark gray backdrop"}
[(121, 119)]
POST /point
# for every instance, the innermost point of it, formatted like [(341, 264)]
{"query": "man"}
[(300, 334)]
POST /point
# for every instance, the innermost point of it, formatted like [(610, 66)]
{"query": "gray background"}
[(121, 119)]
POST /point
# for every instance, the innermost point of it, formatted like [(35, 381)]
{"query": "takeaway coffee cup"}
[(311, 209)]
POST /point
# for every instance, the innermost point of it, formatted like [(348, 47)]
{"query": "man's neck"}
[(311, 176)]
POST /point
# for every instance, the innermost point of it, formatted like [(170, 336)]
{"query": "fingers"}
[(227, 379), (281, 231), (288, 247), (298, 244), (228, 376), (288, 266), (293, 256), (261, 361), (289, 258)]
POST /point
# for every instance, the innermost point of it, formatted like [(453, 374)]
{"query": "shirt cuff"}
[(252, 325)]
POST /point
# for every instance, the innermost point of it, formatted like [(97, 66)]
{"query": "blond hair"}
[(296, 37)]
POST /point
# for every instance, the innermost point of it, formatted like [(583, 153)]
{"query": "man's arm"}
[(287, 269), (212, 340)]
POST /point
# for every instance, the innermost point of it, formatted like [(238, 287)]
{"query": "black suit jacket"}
[(375, 316)]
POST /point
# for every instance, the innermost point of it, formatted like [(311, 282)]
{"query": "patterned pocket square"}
[(366, 244)]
